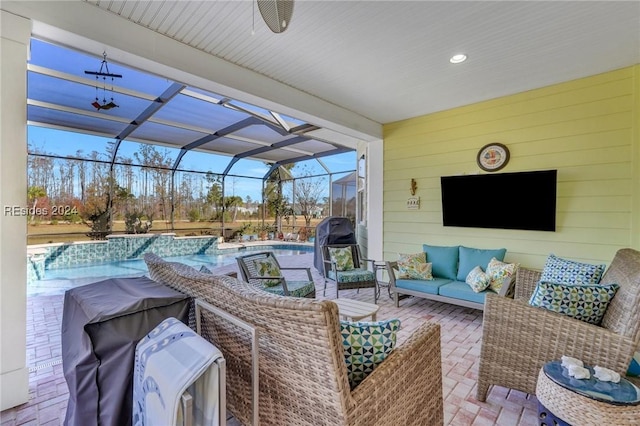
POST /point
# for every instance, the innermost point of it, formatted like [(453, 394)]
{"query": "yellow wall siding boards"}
[(588, 129)]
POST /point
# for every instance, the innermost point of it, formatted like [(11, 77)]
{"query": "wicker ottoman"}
[(560, 406)]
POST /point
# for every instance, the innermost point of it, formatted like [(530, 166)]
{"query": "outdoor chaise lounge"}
[(302, 370)]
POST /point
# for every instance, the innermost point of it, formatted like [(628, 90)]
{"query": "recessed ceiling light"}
[(456, 59)]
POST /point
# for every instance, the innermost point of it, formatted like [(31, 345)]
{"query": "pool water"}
[(57, 281)]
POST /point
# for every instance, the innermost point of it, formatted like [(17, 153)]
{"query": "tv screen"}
[(523, 200)]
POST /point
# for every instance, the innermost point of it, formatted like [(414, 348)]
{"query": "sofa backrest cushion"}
[(444, 260), (623, 314), (469, 258)]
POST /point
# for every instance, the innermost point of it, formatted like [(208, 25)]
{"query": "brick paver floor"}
[(461, 331)]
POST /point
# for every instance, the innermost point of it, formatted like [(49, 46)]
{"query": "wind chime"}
[(104, 74)]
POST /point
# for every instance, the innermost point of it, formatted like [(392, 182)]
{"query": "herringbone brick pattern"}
[(461, 334)]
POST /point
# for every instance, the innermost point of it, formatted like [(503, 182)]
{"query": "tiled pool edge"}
[(124, 247)]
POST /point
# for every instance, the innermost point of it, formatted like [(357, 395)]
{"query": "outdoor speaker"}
[(276, 13)]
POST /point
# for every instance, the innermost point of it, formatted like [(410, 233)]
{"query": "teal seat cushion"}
[(425, 286), (353, 275), (472, 257), (461, 290), (444, 261), (296, 288)]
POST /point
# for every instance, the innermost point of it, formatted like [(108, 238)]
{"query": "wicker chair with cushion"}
[(264, 271), (344, 265), (518, 339), (302, 369)]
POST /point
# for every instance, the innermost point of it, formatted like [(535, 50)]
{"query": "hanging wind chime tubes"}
[(104, 73)]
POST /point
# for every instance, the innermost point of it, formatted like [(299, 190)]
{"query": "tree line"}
[(141, 189)]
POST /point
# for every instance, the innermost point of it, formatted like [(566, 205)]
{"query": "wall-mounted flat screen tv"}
[(522, 200)]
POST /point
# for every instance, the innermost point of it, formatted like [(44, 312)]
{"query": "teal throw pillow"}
[(587, 302), (267, 267), (343, 258), (472, 257), (367, 344), (564, 271), (444, 260), (478, 280)]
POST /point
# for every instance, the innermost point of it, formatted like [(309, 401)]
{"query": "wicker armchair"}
[(358, 277), (518, 339), (300, 286), (302, 371)]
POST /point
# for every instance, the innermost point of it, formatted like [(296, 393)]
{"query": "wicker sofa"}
[(302, 372), (518, 339)]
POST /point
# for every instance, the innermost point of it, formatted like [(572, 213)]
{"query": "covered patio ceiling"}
[(155, 110)]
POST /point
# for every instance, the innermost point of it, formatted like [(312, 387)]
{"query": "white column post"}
[(14, 47)]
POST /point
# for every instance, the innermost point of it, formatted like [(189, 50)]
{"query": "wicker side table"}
[(564, 400)]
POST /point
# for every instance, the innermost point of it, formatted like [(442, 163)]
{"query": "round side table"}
[(564, 400)]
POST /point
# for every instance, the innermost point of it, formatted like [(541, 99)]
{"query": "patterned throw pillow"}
[(343, 258), (563, 271), (478, 280), (586, 302), (267, 268), (498, 272), (414, 266), (367, 344)]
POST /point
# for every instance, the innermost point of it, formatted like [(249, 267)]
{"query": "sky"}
[(67, 143)]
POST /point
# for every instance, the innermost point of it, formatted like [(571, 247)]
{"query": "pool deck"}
[(461, 332)]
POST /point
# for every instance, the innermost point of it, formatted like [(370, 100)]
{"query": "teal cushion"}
[(584, 302), (634, 367), (366, 344), (472, 257), (353, 276), (444, 261), (296, 288), (425, 286), (461, 290), (563, 271)]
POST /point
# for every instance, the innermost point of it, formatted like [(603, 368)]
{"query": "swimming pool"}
[(57, 281)]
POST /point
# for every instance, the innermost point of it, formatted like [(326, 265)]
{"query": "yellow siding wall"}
[(587, 129)]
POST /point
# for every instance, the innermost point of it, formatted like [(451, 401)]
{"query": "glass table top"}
[(622, 393)]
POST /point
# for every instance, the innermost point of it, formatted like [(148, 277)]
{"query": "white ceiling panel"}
[(388, 60)]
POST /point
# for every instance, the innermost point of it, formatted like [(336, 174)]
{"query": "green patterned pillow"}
[(367, 344), (478, 280), (414, 266), (587, 302), (498, 272), (267, 268), (343, 258)]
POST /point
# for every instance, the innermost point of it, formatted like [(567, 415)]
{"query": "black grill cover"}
[(332, 230)]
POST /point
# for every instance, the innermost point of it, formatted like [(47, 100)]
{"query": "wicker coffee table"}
[(356, 310), (564, 400)]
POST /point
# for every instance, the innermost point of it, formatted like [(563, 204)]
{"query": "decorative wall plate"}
[(493, 157)]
